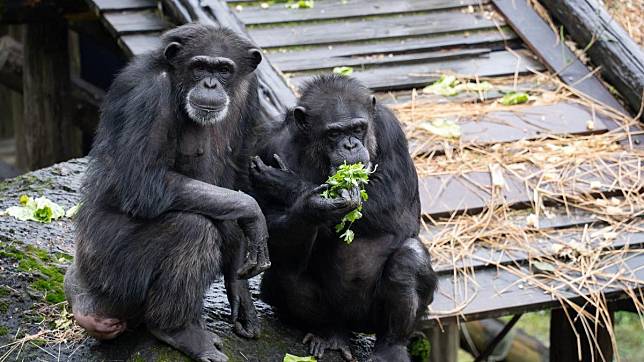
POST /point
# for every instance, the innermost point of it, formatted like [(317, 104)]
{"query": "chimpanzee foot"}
[(196, 342), (388, 353), (101, 328), (336, 342)]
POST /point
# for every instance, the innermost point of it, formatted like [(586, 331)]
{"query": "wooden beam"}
[(556, 56), (571, 341), (444, 341), (29, 11), (47, 132), (609, 46)]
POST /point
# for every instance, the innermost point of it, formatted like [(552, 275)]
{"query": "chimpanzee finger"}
[(246, 271), (280, 162)]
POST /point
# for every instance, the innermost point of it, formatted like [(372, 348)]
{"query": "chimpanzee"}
[(383, 280), (160, 218)]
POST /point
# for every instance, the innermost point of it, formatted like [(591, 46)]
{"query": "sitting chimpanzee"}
[(160, 219), (383, 280)]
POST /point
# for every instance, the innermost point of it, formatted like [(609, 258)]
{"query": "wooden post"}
[(563, 340), (444, 343), (609, 46), (47, 134)]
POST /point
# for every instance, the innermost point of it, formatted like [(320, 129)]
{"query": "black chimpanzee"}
[(383, 280), (160, 219)]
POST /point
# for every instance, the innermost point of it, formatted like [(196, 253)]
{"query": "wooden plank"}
[(119, 5), (498, 292), (444, 342), (328, 63), (339, 9), (620, 58), (555, 55), (136, 44), (492, 38), (482, 257), (129, 22), (529, 122), (419, 75), (379, 28), (442, 195)]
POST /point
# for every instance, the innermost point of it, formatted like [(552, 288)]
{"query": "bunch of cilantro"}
[(346, 178)]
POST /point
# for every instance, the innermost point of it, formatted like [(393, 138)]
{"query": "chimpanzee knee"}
[(406, 288), (175, 297)]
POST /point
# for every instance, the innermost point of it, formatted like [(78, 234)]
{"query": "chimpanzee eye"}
[(333, 134)]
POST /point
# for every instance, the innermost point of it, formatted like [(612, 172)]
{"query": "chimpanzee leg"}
[(244, 315), (174, 301), (300, 299), (405, 289), (87, 310)]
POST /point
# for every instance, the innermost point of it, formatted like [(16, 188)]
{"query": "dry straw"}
[(598, 176)]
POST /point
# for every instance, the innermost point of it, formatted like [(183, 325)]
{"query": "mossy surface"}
[(47, 269)]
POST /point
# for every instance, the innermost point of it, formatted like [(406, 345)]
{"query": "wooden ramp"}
[(396, 46)]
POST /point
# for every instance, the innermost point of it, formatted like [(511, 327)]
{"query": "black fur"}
[(160, 219), (382, 281)]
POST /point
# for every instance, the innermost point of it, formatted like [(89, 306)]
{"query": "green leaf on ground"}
[(514, 98), (442, 128), (344, 71), (292, 358), (41, 209)]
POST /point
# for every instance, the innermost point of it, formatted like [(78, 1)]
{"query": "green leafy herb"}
[(346, 178), (448, 85), (293, 358), (343, 71), (442, 128), (514, 98), (41, 209)]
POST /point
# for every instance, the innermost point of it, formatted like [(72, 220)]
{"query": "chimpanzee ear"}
[(171, 50), (373, 101), (299, 114), (255, 57)]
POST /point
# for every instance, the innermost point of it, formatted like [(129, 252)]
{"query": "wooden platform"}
[(396, 46)]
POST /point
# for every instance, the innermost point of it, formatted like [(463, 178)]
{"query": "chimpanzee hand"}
[(319, 210), (280, 183), (255, 229)]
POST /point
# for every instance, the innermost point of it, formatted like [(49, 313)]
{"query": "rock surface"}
[(32, 259)]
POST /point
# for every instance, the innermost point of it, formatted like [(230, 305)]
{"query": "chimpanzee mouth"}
[(207, 115)]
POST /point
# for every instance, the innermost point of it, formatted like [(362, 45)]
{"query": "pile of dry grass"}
[(599, 175)]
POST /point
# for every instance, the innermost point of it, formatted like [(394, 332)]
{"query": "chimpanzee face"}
[(340, 129), (208, 69)]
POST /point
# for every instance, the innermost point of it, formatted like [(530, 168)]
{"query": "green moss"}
[(419, 349), (137, 358), (40, 263), (4, 291), (4, 331), (4, 306)]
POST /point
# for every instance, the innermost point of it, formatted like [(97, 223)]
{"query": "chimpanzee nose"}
[(210, 83), (350, 144)]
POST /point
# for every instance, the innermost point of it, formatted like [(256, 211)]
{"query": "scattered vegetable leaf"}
[(301, 4), (41, 209), (346, 178), (542, 267), (442, 128), (72, 211), (293, 358), (514, 98), (448, 85), (344, 71)]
